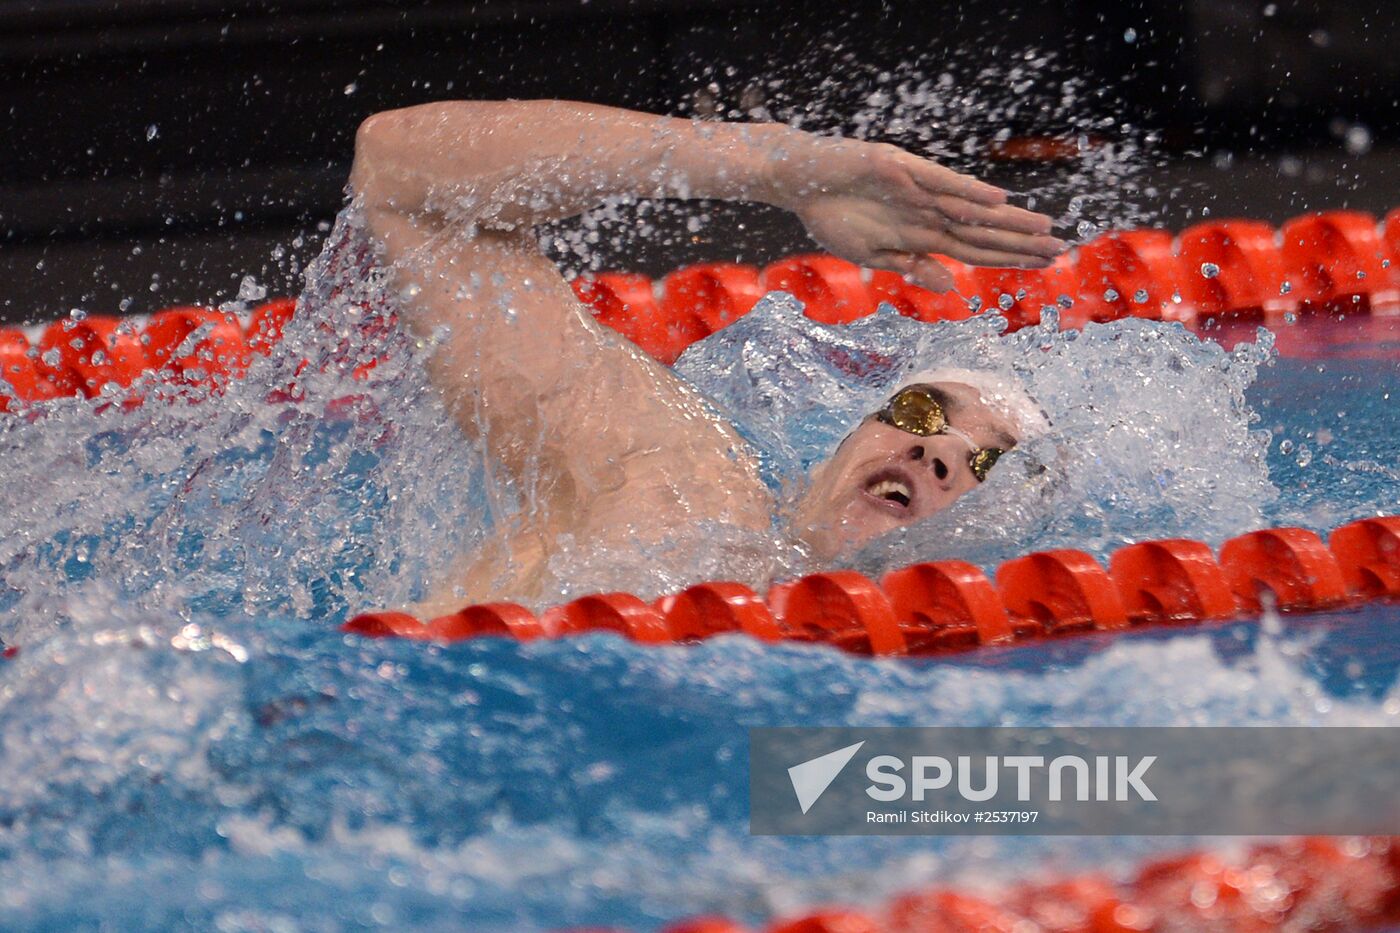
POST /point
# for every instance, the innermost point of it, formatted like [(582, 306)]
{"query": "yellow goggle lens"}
[(983, 460), (917, 413)]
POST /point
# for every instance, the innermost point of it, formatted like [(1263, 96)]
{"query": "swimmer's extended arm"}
[(510, 165), (607, 446)]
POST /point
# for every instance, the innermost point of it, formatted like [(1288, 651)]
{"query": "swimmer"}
[(607, 446)]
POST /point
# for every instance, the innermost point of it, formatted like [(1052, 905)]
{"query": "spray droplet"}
[(1357, 140), (151, 132), (1110, 295), (1140, 296), (1210, 270), (974, 304), (351, 88), (1285, 446), (1084, 228), (250, 290), (1130, 35), (1304, 456), (1005, 302), (1285, 288)]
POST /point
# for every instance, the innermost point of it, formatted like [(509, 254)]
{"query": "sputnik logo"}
[(811, 778)]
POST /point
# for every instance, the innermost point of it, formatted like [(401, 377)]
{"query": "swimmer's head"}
[(938, 436)]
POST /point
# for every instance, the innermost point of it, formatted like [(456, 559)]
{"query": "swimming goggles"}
[(918, 410)]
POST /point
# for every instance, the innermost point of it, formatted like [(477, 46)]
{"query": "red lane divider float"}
[(19, 367), (1170, 581), (709, 609), (1291, 563), (1342, 255), (185, 346), (1128, 274), (946, 606), (1059, 592), (1368, 552), (1315, 884), (1236, 266), (1342, 261)]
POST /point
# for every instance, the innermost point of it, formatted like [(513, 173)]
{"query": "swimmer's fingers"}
[(921, 270), (1001, 217), (994, 258), (1011, 250), (1007, 241), (940, 180)]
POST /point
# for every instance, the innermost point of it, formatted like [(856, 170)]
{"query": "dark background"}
[(155, 151)]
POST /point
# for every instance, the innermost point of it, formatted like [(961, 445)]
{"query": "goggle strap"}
[(962, 436)]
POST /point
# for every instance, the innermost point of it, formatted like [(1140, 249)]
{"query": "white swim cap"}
[(998, 391)]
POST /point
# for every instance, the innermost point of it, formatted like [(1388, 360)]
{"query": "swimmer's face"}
[(881, 477)]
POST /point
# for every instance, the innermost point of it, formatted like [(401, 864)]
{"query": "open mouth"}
[(890, 490)]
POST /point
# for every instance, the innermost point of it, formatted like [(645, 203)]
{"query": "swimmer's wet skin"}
[(606, 445)]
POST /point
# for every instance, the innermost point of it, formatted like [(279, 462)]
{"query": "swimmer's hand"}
[(880, 206)]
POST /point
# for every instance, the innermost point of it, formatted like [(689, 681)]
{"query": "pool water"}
[(226, 778), (188, 741)]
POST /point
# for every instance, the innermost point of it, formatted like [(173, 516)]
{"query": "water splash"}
[(956, 110), (960, 109), (1152, 435), (289, 491)]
